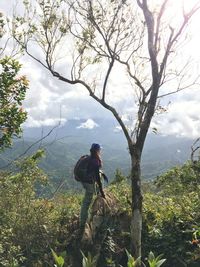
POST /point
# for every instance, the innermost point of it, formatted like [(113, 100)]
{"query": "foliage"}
[(196, 234), (196, 243), (20, 214), (12, 92), (171, 215), (59, 260), (152, 260), (180, 179), (88, 261), (119, 177), (122, 193), (155, 261), (31, 225), (131, 261)]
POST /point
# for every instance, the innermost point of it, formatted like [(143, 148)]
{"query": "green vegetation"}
[(12, 93), (152, 260), (131, 261), (88, 261), (59, 260), (13, 88), (33, 227)]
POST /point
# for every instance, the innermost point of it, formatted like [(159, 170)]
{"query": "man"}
[(93, 179)]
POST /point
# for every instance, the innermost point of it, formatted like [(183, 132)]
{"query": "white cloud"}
[(117, 129), (31, 122), (88, 124), (181, 119)]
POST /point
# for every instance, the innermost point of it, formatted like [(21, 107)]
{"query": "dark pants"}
[(89, 192)]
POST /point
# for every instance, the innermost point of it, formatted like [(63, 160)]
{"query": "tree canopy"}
[(13, 88)]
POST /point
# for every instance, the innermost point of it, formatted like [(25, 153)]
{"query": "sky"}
[(48, 100)]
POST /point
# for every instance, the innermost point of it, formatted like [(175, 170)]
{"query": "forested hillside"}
[(160, 154)]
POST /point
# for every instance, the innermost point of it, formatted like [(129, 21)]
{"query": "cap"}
[(95, 147)]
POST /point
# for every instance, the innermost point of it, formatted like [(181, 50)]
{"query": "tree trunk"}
[(136, 222)]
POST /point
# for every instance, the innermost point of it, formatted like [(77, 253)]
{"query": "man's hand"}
[(105, 177)]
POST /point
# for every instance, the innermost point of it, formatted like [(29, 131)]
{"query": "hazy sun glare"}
[(188, 4)]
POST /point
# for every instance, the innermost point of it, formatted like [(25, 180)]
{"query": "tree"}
[(104, 35), (12, 92)]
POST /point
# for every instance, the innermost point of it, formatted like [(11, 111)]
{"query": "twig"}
[(32, 145)]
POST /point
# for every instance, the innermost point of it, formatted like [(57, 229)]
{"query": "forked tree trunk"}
[(136, 222)]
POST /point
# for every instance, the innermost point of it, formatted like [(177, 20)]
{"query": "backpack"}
[(81, 169)]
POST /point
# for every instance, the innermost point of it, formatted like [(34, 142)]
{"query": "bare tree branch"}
[(160, 14), (106, 78), (179, 90), (137, 81), (31, 146)]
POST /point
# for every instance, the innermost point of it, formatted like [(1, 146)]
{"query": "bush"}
[(30, 225)]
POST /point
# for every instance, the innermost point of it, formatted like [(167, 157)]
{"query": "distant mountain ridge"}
[(104, 133), (67, 143)]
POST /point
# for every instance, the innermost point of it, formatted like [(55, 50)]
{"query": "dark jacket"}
[(94, 172)]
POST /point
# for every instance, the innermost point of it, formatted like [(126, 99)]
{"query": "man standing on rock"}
[(87, 171)]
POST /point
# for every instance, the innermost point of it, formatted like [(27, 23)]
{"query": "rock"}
[(104, 215), (102, 208)]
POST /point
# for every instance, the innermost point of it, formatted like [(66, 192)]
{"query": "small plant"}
[(152, 260), (88, 261), (155, 261), (131, 261), (110, 262), (59, 260)]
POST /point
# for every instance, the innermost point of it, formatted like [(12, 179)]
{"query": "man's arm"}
[(98, 180), (104, 176)]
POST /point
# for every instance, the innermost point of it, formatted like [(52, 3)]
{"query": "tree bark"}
[(136, 221)]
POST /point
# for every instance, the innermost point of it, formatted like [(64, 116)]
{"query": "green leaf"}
[(151, 256), (159, 263), (88, 261), (155, 261), (59, 260), (131, 261)]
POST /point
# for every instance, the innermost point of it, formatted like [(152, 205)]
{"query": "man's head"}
[(95, 148)]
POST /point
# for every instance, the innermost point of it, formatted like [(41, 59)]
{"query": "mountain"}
[(67, 143), (104, 131)]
